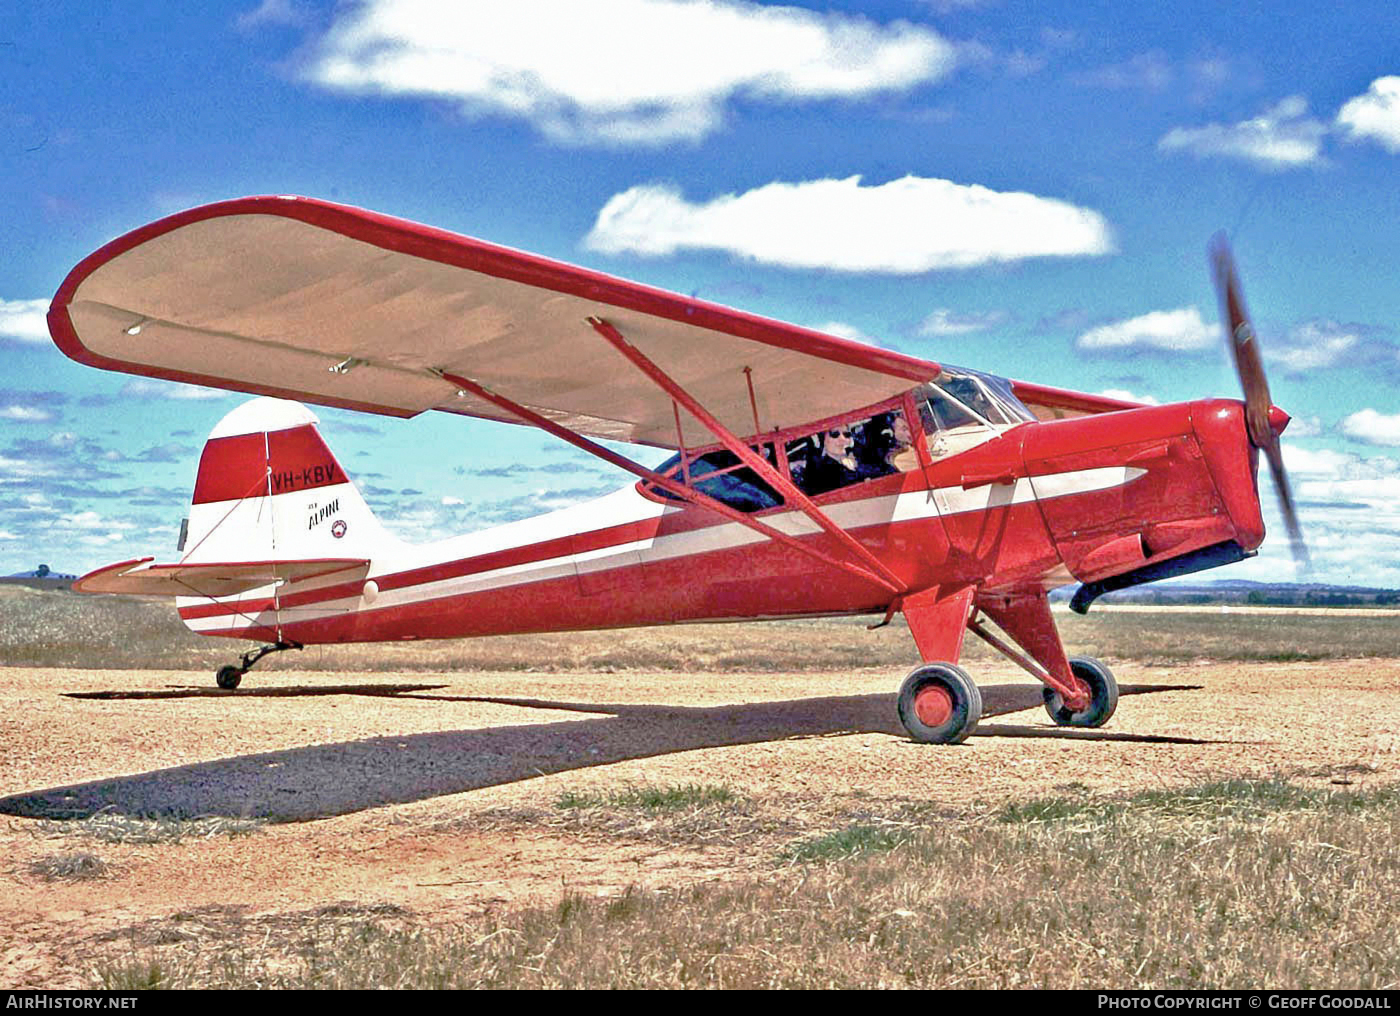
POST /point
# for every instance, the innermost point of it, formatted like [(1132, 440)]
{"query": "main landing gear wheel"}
[(228, 676), (1103, 689), (939, 704)]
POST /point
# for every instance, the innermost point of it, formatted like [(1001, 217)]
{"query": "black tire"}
[(228, 676), (1103, 688), (939, 704)]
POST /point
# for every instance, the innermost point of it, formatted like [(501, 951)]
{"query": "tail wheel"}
[(1103, 690), (939, 704), (228, 676)]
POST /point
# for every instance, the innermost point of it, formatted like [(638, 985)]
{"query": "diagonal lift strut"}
[(682, 491), (783, 484)]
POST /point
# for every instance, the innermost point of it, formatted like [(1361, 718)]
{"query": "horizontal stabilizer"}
[(141, 578)]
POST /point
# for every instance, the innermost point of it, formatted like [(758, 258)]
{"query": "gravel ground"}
[(387, 789)]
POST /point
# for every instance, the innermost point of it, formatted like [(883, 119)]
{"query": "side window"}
[(852, 453), (720, 475)]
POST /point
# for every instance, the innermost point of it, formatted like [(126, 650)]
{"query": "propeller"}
[(1263, 421)]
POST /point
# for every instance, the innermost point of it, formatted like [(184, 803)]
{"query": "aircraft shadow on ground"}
[(286, 691), (319, 781)]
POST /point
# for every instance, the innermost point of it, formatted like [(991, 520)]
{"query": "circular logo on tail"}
[(338, 529)]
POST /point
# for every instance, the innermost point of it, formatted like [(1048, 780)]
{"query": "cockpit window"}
[(963, 408), (959, 410), (722, 476), (852, 452)]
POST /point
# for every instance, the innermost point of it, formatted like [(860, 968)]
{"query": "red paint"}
[(230, 467), (938, 621), (1233, 462), (1007, 547), (281, 461), (1025, 617), (1093, 532), (1078, 402), (933, 705)]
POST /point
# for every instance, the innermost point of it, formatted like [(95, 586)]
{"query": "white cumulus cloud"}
[(25, 414), (1320, 344), (24, 320), (1283, 137), (618, 71), (1127, 396), (272, 12), (1349, 507), (906, 226), (1172, 331), (1375, 115), (1313, 345), (148, 389), (944, 322), (1373, 428), (844, 331)]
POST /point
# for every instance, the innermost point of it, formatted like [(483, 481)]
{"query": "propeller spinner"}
[(1263, 420)]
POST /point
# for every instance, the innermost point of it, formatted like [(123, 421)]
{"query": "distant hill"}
[(1289, 594), (42, 577)]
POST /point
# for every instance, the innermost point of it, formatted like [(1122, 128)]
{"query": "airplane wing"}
[(325, 303), (139, 577), (1058, 403)]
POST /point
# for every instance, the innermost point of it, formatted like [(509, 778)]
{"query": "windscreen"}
[(969, 395)]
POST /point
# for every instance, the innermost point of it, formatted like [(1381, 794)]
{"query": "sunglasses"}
[(838, 433)]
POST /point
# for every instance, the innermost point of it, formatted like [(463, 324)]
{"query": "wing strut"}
[(791, 494), (682, 491)]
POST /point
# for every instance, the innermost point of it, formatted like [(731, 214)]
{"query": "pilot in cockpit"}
[(834, 465)]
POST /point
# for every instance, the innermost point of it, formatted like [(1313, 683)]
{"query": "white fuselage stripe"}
[(906, 507)]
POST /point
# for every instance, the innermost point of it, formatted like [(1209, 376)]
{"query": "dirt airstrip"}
[(413, 793)]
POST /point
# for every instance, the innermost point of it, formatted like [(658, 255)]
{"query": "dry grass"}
[(1232, 884), (62, 629), (112, 827), (766, 828), (74, 866)]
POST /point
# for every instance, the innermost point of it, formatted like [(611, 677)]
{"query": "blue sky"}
[(1023, 188)]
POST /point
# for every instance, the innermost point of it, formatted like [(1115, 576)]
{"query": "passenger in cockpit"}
[(902, 456), (888, 447)]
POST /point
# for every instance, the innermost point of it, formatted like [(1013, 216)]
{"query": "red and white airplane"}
[(812, 475)]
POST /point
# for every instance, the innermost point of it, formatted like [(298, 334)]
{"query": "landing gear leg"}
[(939, 703), (1079, 692), (229, 675)]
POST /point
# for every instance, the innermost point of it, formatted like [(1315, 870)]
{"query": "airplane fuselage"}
[(1038, 506)]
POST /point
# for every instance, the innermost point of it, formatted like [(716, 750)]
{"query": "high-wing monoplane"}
[(811, 475)]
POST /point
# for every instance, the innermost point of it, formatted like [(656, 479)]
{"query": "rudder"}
[(270, 489)]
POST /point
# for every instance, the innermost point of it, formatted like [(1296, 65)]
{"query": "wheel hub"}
[(933, 705)]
